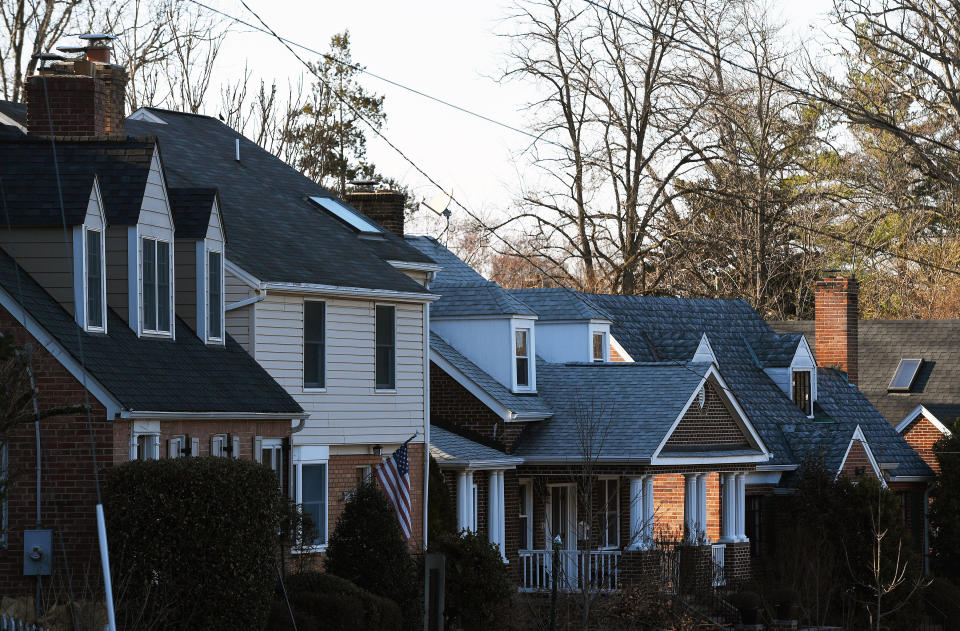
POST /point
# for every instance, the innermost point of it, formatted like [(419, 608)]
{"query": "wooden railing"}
[(594, 570)]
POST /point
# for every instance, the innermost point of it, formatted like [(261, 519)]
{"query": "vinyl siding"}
[(118, 291), (185, 254), (47, 255), (350, 411), (155, 209), (239, 322)]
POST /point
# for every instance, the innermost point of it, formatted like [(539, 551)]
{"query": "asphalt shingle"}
[(446, 447)]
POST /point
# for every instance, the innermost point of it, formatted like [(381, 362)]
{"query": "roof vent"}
[(906, 373)]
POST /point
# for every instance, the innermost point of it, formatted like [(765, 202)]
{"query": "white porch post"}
[(690, 502), (702, 507), (465, 516), (741, 532), (729, 508), (637, 501), (648, 510), (495, 511)]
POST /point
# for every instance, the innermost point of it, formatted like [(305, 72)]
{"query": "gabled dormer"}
[(89, 265), (789, 362), (201, 252)]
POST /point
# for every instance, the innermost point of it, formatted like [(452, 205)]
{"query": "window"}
[(271, 455), (312, 497), (906, 372), (156, 286), (599, 346), (526, 516), (346, 215), (802, 394), (224, 446), (754, 523), (4, 466), (95, 280), (386, 348), (522, 354), (147, 447), (177, 446), (611, 513), (314, 339), (215, 295), (474, 494)]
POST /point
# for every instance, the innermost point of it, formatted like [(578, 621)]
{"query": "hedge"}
[(326, 602), (193, 542)]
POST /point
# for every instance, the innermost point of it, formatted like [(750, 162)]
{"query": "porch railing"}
[(9, 623), (595, 570), (717, 553)]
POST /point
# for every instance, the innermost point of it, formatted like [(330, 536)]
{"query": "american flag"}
[(394, 475)]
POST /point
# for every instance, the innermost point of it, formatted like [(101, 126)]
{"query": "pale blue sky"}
[(448, 48)]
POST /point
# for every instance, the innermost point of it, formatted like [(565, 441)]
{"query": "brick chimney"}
[(383, 206), (78, 97), (836, 326)]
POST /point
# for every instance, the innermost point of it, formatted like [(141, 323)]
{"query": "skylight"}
[(344, 214), (906, 373)]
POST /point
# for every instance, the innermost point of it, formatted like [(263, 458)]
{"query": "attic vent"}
[(906, 373), (702, 395), (346, 215)]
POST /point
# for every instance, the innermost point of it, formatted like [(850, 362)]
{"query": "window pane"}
[(598, 347), (385, 364), (163, 286), (801, 391), (215, 301), (94, 280), (386, 347), (385, 325), (521, 343), (523, 371), (150, 285), (314, 498), (313, 344)]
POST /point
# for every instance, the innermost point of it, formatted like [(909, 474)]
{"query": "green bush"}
[(441, 511), (477, 585), (368, 549), (193, 542), (329, 603)]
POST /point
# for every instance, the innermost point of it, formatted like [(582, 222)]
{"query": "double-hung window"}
[(95, 280), (310, 484), (386, 352), (271, 455), (802, 391), (147, 447), (156, 286), (611, 512), (521, 355), (526, 516), (314, 344), (599, 346), (215, 295)]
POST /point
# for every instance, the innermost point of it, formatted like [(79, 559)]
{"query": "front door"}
[(561, 517)]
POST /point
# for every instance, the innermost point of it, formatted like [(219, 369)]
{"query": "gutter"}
[(506, 463), (240, 416), (351, 292)]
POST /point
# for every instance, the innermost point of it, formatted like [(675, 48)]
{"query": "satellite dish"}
[(440, 203)]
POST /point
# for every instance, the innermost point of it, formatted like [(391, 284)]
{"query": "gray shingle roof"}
[(16, 111), (191, 211), (633, 406), (883, 343), (449, 448), (525, 405), (558, 303), (145, 374), (462, 289), (276, 233)]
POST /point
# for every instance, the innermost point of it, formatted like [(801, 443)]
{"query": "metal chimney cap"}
[(96, 36), (48, 57), (72, 49)]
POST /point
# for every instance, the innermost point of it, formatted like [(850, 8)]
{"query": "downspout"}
[(926, 529)]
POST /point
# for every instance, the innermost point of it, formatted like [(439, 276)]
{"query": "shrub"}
[(193, 541), (330, 603), (441, 511), (942, 600), (477, 585), (945, 508), (368, 549)]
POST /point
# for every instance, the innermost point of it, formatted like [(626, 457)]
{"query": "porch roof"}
[(453, 450)]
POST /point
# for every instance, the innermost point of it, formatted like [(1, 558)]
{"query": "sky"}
[(451, 49)]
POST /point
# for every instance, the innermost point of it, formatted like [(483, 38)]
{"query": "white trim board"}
[(927, 414)]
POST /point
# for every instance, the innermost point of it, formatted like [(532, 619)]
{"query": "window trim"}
[(220, 337), (604, 347), (526, 512), (135, 444), (102, 328), (392, 389), (529, 386), (310, 455), (810, 373), (274, 445), (604, 481), (142, 239), (303, 337)]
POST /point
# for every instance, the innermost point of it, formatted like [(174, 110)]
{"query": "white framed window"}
[(599, 346), (802, 388), (386, 347), (269, 453), (224, 446), (610, 487), (521, 356), (95, 280), (526, 515), (314, 345), (178, 446), (215, 295), (156, 286), (146, 447), (310, 486), (475, 501)]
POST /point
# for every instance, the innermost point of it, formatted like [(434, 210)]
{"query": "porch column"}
[(637, 501), (729, 508), (648, 511), (495, 511), (702, 507), (465, 516), (741, 532), (690, 505)]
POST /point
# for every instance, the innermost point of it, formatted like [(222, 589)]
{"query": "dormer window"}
[(802, 391), (156, 286), (522, 357), (215, 296), (599, 346), (95, 281)]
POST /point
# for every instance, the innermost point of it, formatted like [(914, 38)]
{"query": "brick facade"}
[(384, 207), (922, 434), (713, 423), (77, 105), (836, 325), (857, 461)]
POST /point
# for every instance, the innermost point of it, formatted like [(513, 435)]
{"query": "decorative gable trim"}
[(858, 435), (145, 115), (927, 414), (756, 443)]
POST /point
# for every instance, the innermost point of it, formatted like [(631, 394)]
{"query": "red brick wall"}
[(836, 324), (921, 434), (710, 425), (857, 459), (77, 105)]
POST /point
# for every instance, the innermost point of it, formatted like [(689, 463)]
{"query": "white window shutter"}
[(258, 449), (215, 446), (235, 446), (173, 448), (194, 446), (155, 447)]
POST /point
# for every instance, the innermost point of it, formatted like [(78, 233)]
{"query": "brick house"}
[(621, 423), (111, 280)]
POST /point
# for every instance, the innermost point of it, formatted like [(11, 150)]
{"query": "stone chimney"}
[(383, 206), (836, 325), (83, 96)]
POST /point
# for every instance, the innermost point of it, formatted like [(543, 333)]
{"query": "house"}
[(112, 281), (325, 296), (621, 423), (910, 370)]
